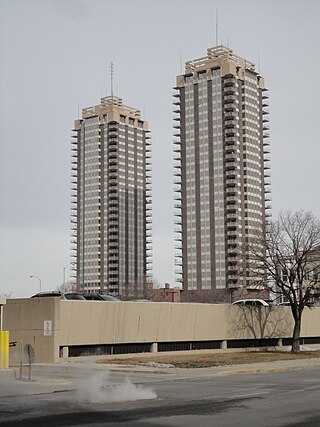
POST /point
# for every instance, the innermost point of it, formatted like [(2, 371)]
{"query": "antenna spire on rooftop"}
[(111, 75), (217, 26)]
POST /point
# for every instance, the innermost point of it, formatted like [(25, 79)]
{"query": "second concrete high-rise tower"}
[(111, 199), (222, 172)]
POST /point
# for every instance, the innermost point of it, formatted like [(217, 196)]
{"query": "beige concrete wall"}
[(258, 322), (310, 322), (100, 322), (92, 322), (24, 319)]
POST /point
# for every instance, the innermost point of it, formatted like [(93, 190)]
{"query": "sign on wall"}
[(47, 328)]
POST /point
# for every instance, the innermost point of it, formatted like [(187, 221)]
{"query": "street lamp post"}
[(64, 274), (36, 277)]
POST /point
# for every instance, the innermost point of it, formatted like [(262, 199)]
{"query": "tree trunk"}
[(296, 336)]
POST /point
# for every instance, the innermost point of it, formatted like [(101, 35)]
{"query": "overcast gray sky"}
[(55, 57)]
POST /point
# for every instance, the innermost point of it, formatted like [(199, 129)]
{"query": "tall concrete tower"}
[(222, 173), (111, 215)]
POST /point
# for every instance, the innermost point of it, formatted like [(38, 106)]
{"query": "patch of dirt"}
[(210, 359)]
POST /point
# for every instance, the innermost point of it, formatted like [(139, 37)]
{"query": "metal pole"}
[(64, 274), (36, 277), (20, 370), (1, 317)]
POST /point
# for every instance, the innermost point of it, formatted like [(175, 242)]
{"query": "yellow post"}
[(4, 349), (1, 350)]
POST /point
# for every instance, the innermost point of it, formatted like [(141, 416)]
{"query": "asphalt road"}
[(83, 395)]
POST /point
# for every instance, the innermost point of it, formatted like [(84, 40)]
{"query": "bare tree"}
[(286, 262), (7, 296), (154, 282)]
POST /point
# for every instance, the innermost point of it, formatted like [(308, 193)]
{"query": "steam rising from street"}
[(97, 388)]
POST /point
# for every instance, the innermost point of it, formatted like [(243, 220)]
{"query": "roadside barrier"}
[(4, 349)]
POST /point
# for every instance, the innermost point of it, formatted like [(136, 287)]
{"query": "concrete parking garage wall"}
[(24, 319), (85, 323)]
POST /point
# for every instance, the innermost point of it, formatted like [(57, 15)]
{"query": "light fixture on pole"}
[(64, 274), (36, 277)]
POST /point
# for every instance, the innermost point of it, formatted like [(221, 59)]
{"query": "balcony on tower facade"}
[(231, 173), (231, 140), (232, 251), (232, 182), (232, 269), (232, 226), (266, 149), (231, 220), (113, 251), (231, 191), (232, 149), (231, 200), (231, 207), (231, 98), (113, 265), (113, 209), (230, 91), (232, 229), (233, 277), (230, 123), (231, 132), (232, 154), (232, 243), (231, 107), (112, 230), (231, 165)]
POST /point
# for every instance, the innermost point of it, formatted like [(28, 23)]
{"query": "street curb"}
[(276, 366), (254, 371)]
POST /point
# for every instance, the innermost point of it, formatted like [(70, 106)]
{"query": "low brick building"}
[(165, 294)]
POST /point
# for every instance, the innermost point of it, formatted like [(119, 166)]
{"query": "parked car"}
[(74, 295), (309, 304), (61, 295), (251, 302), (47, 294), (284, 303), (100, 297)]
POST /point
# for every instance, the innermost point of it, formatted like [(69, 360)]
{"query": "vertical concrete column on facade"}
[(65, 352), (102, 211), (223, 345), (154, 347)]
